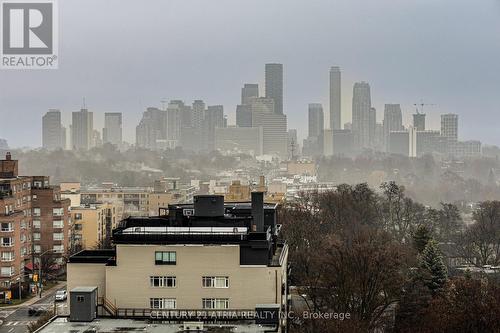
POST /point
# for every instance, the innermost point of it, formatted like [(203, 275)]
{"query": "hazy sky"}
[(126, 55)]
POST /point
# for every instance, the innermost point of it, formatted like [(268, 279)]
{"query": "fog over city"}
[(287, 166), (124, 56)]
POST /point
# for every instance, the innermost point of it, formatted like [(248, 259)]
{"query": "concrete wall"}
[(128, 283), (87, 275)]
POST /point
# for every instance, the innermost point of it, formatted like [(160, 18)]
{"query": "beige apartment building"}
[(129, 201), (139, 201), (71, 191), (204, 256), (92, 225)]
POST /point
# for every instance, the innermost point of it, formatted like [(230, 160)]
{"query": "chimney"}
[(8, 167), (258, 210)]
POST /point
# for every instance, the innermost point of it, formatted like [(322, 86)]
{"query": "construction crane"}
[(421, 105)]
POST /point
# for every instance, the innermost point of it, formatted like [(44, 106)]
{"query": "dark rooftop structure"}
[(208, 220)]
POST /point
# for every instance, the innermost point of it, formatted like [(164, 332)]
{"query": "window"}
[(7, 241), (163, 281), (78, 216), (58, 248), (80, 299), (35, 196), (163, 303), (58, 236), (36, 236), (165, 258), (78, 226), (37, 248), (7, 226), (36, 224), (215, 303), (58, 211), (7, 271), (58, 224), (7, 256), (36, 212), (215, 282)]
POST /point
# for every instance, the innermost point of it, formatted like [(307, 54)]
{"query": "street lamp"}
[(40, 269)]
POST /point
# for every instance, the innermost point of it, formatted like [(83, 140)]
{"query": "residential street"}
[(15, 320)]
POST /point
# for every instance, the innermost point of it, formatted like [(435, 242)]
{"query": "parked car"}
[(61, 295)]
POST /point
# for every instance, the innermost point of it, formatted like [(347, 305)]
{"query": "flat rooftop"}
[(106, 325)]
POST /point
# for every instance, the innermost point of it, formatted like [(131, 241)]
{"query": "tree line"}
[(378, 257)]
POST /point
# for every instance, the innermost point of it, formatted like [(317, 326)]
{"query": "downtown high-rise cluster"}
[(261, 126), (364, 133)]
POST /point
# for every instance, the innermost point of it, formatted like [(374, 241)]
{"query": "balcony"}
[(201, 235), (11, 244)]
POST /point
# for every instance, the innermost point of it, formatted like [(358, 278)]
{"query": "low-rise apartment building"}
[(51, 224), (34, 219), (15, 222), (204, 256), (92, 225), (129, 201)]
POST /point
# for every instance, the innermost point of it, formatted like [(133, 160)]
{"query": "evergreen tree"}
[(432, 269), (421, 237)]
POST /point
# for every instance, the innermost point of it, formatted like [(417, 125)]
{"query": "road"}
[(17, 320)]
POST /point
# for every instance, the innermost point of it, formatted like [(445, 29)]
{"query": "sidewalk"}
[(35, 298)]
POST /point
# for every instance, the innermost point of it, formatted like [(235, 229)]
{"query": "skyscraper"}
[(274, 85), (82, 129), (316, 120), (151, 129), (275, 135), (244, 115), (335, 98), (260, 106), (173, 115), (214, 118), (372, 127), (112, 131), (393, 121), (449, 126), (361, 105), (419, 121), (198, 113), (248, 91), (52, 131)]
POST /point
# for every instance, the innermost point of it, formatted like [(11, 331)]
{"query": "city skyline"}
[(413, 75)]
